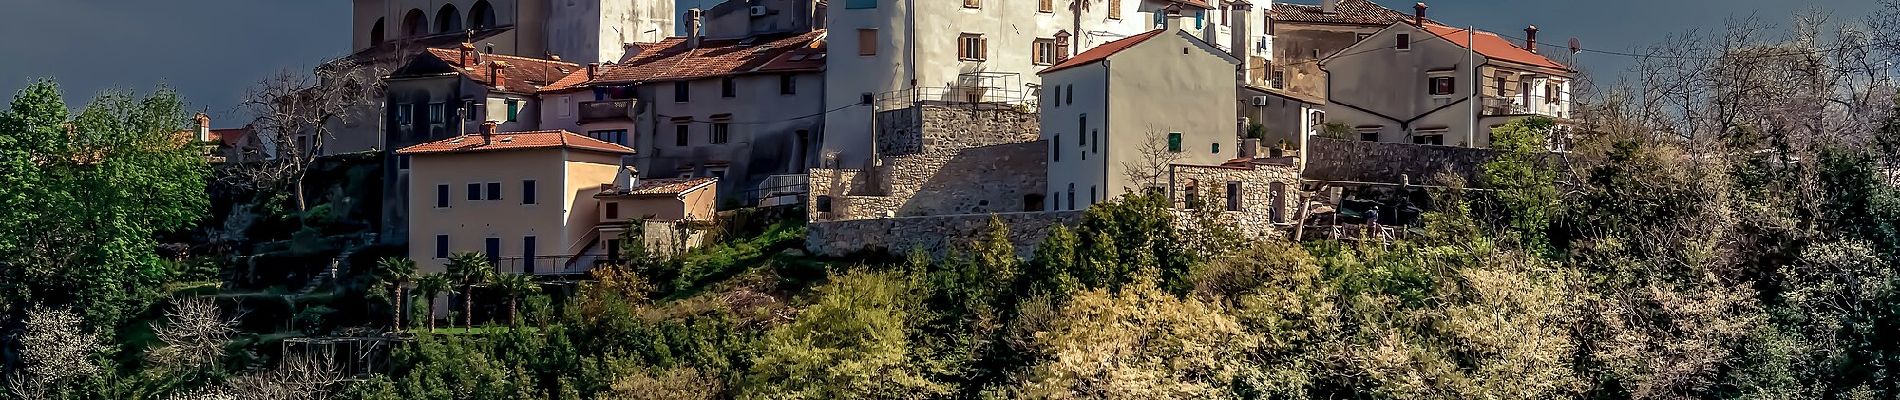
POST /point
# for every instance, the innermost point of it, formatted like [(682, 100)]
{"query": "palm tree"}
[(516, 286), (1076, 9), (432, 285), (396, 272), (470, 269)]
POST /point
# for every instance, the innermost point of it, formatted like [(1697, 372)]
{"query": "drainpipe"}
[(1471, 109)]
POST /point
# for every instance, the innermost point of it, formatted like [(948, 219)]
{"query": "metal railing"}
[(607, 110), (540, 265), (907, 98), (794, 185), (1495, 105)]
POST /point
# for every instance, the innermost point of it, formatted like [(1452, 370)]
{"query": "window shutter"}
[(1174, 142), (983, 48)]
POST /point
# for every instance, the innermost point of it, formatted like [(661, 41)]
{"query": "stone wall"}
[(1264, 188), (1358, 161), (934, 235), (940, 160)]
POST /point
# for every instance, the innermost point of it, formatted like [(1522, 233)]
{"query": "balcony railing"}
[(1494, 105), (540, 265), (609, 110), (779, 189)]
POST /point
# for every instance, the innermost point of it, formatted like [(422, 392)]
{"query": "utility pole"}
[(1471, 106)]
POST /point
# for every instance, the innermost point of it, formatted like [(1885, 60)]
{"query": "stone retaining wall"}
[(935, 235), (1359, 161), (1264, 188)]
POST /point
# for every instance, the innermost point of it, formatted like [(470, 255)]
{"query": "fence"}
[(776, 186)]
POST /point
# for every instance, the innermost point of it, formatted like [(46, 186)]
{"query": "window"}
[(527, 192), (567, 106), (441, 196), (1045, 6), (1500, 81), (680, 92), (527, 254), (514, 109), (1070, 95), (867, 42), (405, 114), (1192, 196), (824, 204), (727, 88), (1278, 192), (1431, 137), (1095, 142), (1091, 194), (1404, 41), (474, 191), (1279, 79), (1114, 9), (679, 134), (613, 251), (1071, 196), (972, 3), (1174, 142), (787, 84), (1368, 135), (1551, 94), (1443, 85), (613, 210), (441, 246), (493, 247), (1216, 149), (468, 110), (494, 190), (1233, 196), (436, 113), (859, 4), (1055, 149), (720, 133), (1044, 52), (402, 162), (1057, 93), (972, 47), (1081, 131), (615, 136)]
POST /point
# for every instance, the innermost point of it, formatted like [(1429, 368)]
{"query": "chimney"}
[(1173, 18), (468, 54), (204, 127), (1418, 14), (494, 73), (1530, 38), (488, 131), (692, 28), (1329, 6), (1242, 46), (593, 70)]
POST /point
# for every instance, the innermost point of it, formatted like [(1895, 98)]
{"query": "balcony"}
[(610, 110), (1494, 105)]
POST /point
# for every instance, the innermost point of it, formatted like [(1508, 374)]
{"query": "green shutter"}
[(514, 108), (1174, 142)]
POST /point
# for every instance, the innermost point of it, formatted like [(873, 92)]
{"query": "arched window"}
[(376, 33), (449, 19), (481, 16), (414, 24)]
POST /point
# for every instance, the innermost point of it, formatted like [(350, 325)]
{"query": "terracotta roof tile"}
[(572, 79), (1349, 12), (522, 74), (515, 141), (663, 187), (1493, 46), (1103, 51), (671, 60)]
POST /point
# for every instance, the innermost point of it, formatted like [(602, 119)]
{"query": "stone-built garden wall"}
[(1358, 161), (940, 160), (1267, 200)]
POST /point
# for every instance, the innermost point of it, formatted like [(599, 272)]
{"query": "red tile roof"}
[(672, 60), (1493, 46), (1348, 12), (572, 79), (515, 141), (663, 187), (233, 137), (522, 74), (1102, 52)]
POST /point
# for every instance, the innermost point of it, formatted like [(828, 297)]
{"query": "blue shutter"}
[(857, 4), (1200, 18)]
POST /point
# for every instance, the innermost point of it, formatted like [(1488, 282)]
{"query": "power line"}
[(1316, 60), (691, 119), (1734, 57)]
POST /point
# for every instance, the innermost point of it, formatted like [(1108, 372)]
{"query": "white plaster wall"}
[(562, 110), (1381, 85), (1171, 83), (585, 31), (1077, 166)]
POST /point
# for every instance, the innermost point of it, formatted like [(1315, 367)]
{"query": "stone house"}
[(1116, 115), (1423, 83)]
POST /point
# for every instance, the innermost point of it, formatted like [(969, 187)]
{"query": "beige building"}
[(526, 199), (1424, 83), (1119, 114), (665, 211), (1304, 34)]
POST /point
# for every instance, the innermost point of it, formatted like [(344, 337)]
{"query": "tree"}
[(84, 198), (56, 353), (396, 272), (194, 333), (469, 269), (1156, 161), (432, 286), (514, 287), (1139, 344), (853, 342), (294, 112), (1524, 181)]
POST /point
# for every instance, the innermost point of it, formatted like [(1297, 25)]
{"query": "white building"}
[(574, 30), (1425, 83), (891, 54), (1119, 116)]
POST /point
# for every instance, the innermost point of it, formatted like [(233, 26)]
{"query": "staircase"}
[(339, 265)]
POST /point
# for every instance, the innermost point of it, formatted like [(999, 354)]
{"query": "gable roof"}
[(1348, 12), (504, 141), (1103, 51), (672, 59), (521, 74), (1493, 46)]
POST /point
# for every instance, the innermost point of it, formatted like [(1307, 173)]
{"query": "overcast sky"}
[(210, 50)]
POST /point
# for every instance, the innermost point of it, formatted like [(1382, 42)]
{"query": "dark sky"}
[(211, 50)]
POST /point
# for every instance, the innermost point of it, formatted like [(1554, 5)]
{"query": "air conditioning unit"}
[(758, 11), (1260, 101)]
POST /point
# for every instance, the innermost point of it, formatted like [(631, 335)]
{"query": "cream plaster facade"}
[(1138, 97), (1385, 93), (560, 220)]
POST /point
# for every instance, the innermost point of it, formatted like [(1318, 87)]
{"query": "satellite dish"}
[(1575, 46)]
